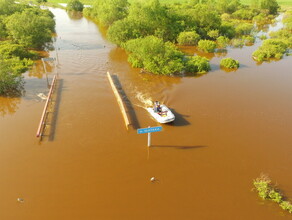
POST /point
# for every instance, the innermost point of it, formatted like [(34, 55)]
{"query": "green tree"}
[(201, 19), (243, 29), (33, 27), (207, 46), (227, 29), (188, 38), (213, 34), (270, 5), (155, 56), (108, 11), (227, 6), (9, 49), (3, 33), (74, 5)]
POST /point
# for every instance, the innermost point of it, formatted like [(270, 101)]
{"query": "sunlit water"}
[(229, 128)]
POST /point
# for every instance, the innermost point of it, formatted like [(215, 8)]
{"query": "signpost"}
[(149, 130)]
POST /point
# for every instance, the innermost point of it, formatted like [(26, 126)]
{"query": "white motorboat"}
[(162, 116)]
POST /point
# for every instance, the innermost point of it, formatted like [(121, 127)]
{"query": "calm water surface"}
[(230, 127)]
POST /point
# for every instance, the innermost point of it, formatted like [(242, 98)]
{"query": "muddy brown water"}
[(230, 127)]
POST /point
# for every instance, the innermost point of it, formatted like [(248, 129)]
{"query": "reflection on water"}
[(75, 15), (38, 70), (8, 105)]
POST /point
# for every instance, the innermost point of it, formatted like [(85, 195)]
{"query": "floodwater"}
[(230, 128)]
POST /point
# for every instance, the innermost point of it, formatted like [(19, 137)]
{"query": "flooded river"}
[(230, 127)]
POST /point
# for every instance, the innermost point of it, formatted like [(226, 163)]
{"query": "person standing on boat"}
[(156, 106)]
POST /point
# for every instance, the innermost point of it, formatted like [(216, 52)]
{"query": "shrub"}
[(213, 34), (74, 5), (237, 42), (243, 29), (188, 38), (11, 82), (229, 63), (225, 17), (197, 64), (248, 40), (207, 46), (9, 49), (271, 48), (222, 42), (227, 29), (243, 14), (267, 191), (286, 205), (263, 37)]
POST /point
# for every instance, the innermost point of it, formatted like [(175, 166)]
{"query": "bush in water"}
[(197, 64), (188, 38), (222, 42), (271, 48), (207, 46), (266, 190), (229, 63), (158, 57), (75, 5)]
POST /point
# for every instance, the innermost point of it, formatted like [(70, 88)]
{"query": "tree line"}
[(23, 30), (155, 29)]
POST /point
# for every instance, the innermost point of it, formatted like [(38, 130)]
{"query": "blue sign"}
[(149, 130)]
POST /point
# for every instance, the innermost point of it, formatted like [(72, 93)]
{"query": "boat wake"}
[(145, 100)]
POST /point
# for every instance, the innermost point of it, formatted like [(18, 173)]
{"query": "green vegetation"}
[(229, 63), (266, 190), (279, 44), (222, 42), (156, 56), (207, 46), (32, 27), (23, 28), (197, 64), (271, 48), (190, 38), (107, 11), (75, 5), (208, 24)]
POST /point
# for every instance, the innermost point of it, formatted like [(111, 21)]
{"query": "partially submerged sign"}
[(149, 130)]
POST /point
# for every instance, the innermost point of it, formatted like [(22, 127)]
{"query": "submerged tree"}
[(75, 5)]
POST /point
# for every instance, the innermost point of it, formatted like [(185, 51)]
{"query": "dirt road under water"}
[(230, 127)]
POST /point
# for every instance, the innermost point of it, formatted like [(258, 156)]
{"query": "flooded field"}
[(229, 128)]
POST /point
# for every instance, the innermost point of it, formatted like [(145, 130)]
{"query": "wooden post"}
[(149, 138)]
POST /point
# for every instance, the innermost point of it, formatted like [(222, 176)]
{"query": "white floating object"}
[(153, 179), (20, 200), (42, 96)]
